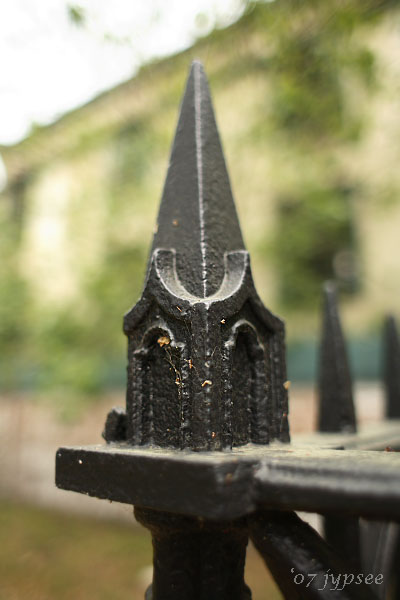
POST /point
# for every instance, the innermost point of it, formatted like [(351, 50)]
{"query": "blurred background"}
[(307, 99)]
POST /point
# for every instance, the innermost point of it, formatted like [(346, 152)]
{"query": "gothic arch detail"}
[(157, 384), (246, 401)]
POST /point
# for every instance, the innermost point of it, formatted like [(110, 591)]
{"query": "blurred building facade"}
[(312, 142)]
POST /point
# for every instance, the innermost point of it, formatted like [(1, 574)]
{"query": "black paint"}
[(337, 414), (228, 485), (336, 406), (292, 549), (196, 559), (206, 358), (391, 368)]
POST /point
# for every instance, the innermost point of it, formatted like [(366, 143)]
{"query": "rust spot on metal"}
[(228, 478)]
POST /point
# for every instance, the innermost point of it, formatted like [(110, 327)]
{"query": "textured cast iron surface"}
[(381, 540), (195, 559), (206, 358), (231, 484), (290, 548), (336, 406), (337, 414), (384, 435), (391, 369)]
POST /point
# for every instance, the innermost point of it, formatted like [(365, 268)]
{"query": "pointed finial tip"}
[(196, 71), (196, 63), (329, 291), (390, 326), (329, 286), (198, 68)]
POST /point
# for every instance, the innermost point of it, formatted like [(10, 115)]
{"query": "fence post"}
[(391, 368), (201, 362), (337, 414)]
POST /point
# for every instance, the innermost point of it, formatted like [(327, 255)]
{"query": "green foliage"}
[(15, 303), (316, 63), (112, 290), (314, 52), (65, 358), (76, 14), (307, 94), (134, 145), (83, 349), (314, 227)]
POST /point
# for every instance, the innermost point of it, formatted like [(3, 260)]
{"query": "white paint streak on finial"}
[(199, 157)]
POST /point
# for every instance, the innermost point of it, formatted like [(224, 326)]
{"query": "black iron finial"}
[(391, 367), (206, 358), (337, 414), (336, 405)]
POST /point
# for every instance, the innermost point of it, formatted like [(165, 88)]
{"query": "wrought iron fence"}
[(203, 448)]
